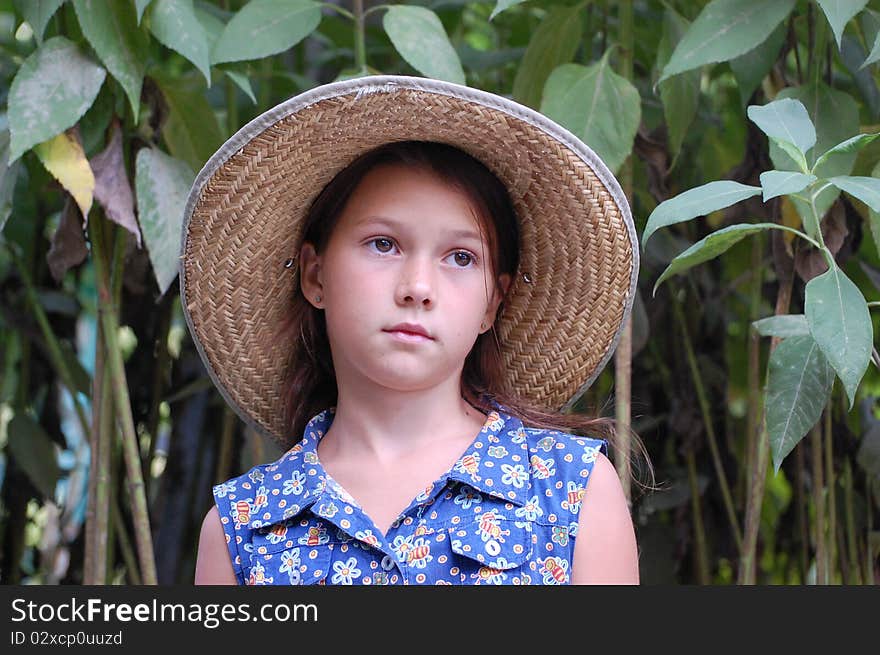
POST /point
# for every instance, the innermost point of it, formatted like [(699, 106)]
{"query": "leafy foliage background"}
[(108, 108)]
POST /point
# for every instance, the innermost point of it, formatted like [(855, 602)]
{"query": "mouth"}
[(409, 333)]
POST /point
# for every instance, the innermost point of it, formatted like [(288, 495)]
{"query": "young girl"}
[(449, 270)]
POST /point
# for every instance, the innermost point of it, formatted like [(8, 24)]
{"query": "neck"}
[(388, 425)]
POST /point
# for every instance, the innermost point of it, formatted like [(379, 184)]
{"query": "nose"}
[(416, 284)]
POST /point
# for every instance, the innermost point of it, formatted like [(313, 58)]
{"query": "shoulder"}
[(213, 565), (605, 550)]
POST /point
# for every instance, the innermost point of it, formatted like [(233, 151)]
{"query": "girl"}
[(455, 269)]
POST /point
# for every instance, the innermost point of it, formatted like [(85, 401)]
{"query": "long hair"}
[(311, 384)]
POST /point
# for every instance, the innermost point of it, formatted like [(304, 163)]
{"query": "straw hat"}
[(578, 261)]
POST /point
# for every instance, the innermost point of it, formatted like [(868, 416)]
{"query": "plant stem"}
[(851, 534), (623, 354), (700, 553), (131, 451), (758, 473), (819, 504), (125, 544), (754, 357), (801, 509), (360, 48), (53, 347), (707, 421), (829, 481)]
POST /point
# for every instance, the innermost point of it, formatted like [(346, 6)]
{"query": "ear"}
[(497, 296), (310, 278)]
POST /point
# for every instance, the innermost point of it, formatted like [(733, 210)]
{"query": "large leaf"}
[(695, 202), (263, 28), (68, 247), (785, 119), (53, 88), (419, 37), (866, 189), (111, 28), (112, 190), (840, 323), (726, 29), (554, 43), (783, 326), (34, 452), (191, 130), (162, 184), (37, 13), (798, 386), (681, 94), (175, 24), (749, 69), (63, 156), (778, 183), (839, 13), (599, 106), (8, 177), (710, 247)]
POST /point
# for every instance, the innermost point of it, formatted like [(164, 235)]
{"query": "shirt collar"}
[(495, 463)]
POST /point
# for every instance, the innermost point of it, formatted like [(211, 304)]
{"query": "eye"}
[(383, 245), (464, 258)]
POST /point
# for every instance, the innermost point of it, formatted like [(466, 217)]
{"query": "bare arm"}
[(605, 550), (213, 565)]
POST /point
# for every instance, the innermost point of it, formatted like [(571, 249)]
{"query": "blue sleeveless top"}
[(505, 513)]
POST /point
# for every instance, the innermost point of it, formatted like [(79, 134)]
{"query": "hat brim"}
[(578, 268)]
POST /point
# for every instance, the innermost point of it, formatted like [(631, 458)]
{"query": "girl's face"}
[(406, 249)]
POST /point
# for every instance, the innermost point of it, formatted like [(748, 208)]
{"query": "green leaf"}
[(778, 183), (841, 324), (174, 23), (37, 13), (853, 144), (554, 43), (212, 26), (787, 120), (242, 82), (263, 28), (785, 325), (35, 452), (793, 152), (419, 37), (501, 5), (597, 105), (866, 189), (798, 387), (8, 177), (112, 29), (681, 94), (710, 247), (162, 184), (53, 88), (839, 13), (695, 202), (140, 6), (191, 131), (749, 69), (726, 29)]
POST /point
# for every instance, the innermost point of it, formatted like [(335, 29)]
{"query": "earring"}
[(317, 298)]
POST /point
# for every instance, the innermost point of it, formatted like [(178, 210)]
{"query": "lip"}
[(410, 332)]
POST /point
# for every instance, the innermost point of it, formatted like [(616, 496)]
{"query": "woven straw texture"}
[(566, 305)]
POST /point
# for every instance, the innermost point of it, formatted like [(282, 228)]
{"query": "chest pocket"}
[(290, 553), (492, 549)]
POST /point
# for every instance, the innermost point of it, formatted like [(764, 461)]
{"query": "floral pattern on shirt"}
[(505, 513)]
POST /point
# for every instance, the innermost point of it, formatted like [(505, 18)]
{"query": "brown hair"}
[(311, 385)]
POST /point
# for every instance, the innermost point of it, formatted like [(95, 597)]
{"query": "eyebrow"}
[(382, 220)]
